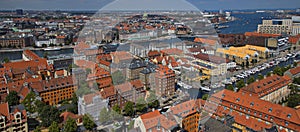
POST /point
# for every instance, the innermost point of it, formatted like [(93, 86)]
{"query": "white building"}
[(91, 104)]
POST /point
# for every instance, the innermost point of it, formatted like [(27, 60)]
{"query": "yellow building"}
[(242, 55)]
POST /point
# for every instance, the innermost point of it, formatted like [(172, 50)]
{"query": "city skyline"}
[(98, 4)]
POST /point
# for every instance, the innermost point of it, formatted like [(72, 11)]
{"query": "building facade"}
[(91, 104), (12, 121)]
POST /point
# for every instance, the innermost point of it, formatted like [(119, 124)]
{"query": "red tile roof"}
[(279, 113), (153, 119), (294, 39), (172, 51), (88, 99), (210, 58), (265, 86), (4, 109), (127, 86), (206, 41), (66, 115), (30, 55), (261, 34), (295, 70)]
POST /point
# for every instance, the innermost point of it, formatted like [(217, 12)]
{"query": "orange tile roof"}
[(127, 86), (103, 62), (4, 109), (295, 70), (108, 92), (153, 53), (261, 106), (31, 55), (267, 85), (66, 115), (210, 58), (59, 72), (261, 34), (88, 98), (121, 55), (294, 39), (150, 115), (153, 119), (206, 41), (172, 51), (53, 83)]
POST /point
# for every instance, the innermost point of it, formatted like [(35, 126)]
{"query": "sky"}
[(98, 4)]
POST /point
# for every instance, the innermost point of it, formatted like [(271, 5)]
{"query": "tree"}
[(74, 108), (6, 60), (48, 115), (12, 98), (293, 100), (230, 87), (70, 125), (118, 77), (205, 96), (152, 100), (88, 123), (251, 80), (277, 70), (260, 77), (46, 54), (104, 115), (269, 74), (128, 109), (88, 70), (141, 105), (37, 129), (54, 127), (240, 84), (117, 108), (28, 102)]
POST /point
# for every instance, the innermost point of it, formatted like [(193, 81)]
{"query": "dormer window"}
[(238, 99), (286, 123), (289, 115), (270, 110), (251, 104)]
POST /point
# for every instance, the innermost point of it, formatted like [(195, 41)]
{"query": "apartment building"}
[(164, 81), (55, 90), (251, 113), (12, 119), (276, 26), (91, 104), (273, 88)]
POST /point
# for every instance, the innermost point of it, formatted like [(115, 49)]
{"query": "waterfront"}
[(17, 55), (245, 22)]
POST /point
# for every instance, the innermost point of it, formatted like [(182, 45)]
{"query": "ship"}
[(53, 48)]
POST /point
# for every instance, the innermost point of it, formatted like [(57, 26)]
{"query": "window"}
[(289, 115), (270, 110)]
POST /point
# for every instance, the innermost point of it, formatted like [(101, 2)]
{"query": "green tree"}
[(104, 115), (88, 123), (141, 105), (117, 108), (128, 109), (37, 129), (118, 77), (12, 98), (260, 77), (277, 70), (152, 100), (240, 84), (48, 115), (293, 100), (269, 74), (251, 80), (88, 70), (6, 60), (70, 125), (28, 102), (74, 108), (54, 127), (230, 87), (205, 96)]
